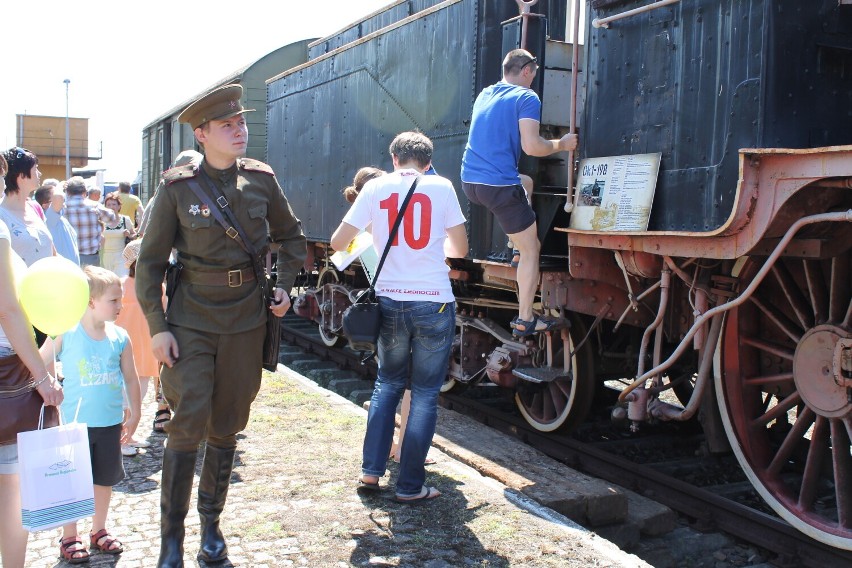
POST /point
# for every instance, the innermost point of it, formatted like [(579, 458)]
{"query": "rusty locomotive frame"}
[(736, 299)]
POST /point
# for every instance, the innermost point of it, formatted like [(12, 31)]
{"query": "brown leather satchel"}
[(20, 403)]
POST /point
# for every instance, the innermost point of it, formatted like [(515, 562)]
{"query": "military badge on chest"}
[(194, 209), (205, 211)]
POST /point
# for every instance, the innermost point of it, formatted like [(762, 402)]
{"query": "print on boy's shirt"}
[(92, 373)]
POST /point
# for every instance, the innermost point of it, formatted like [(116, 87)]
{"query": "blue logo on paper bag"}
[(61, 468)]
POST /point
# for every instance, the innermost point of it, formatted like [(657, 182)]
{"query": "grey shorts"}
[(508, 204), (8, 459), (105, 447)]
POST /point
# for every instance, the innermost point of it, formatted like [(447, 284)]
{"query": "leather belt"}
[(231, 278)]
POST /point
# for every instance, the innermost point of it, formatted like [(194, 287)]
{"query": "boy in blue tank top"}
[(97, 361)]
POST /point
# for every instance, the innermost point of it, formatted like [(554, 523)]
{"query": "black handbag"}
[(272, 338), (362, 321)]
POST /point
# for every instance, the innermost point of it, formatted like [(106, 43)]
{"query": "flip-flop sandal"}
[(365, 487), (75, 556), (523, 328), (516, 258), (430, 493)]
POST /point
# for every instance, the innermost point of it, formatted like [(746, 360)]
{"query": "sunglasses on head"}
[(533, 60)]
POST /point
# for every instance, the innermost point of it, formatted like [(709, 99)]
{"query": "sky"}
[(131, 61)]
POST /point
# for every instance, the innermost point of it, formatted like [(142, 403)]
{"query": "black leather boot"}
[(175, 490), (212, 492)]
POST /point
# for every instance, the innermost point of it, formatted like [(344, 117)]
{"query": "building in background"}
[(45, 137)]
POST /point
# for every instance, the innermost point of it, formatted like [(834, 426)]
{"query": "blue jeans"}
[(419, 336)]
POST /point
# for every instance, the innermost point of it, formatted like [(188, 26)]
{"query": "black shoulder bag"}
[(272, 341), (362, 321)]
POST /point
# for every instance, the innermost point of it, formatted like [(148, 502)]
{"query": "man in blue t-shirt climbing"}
[(505, 120)]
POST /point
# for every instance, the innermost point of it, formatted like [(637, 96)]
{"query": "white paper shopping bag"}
[(56, 476)]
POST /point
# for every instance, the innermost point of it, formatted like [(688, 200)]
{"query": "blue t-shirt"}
[(494, 144), (64, 235), (92, 372)]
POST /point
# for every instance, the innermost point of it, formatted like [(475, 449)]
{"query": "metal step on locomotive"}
[(698, 241)]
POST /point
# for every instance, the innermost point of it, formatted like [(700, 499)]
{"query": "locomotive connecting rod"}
[(604, 22), (701, 320)]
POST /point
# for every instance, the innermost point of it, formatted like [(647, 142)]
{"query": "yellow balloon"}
[(54, 294)]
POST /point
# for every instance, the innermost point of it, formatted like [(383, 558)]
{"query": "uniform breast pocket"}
[(257, 211), (196, 223), (199, 231)]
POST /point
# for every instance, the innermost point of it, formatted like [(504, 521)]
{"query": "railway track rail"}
[(717, 507)]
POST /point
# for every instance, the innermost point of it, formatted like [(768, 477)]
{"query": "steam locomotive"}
[(698, 241)]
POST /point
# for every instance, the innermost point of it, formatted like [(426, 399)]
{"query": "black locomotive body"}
[(735, 295)]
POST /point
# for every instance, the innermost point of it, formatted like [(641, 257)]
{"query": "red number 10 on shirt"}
[(391, 204)]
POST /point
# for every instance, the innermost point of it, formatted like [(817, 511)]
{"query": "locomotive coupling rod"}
[(604, 22), (838, 217)]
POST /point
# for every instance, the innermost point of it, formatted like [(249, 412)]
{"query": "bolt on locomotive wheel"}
[(563, 403), (786, 396), (327, 275)]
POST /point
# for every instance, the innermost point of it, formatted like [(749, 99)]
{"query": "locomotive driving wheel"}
[(563, 403), (786, 392), (327, 275)]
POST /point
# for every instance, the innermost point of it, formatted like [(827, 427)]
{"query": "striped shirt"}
[(86, 217)]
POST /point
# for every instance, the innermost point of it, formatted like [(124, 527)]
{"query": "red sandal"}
[(71, 553), (104, 542)]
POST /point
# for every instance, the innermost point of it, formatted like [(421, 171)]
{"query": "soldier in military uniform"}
[(211, 338)]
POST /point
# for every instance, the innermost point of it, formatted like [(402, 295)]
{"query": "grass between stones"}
[(293, 500)]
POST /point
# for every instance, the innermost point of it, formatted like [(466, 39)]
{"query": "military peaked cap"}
[(218, 104)]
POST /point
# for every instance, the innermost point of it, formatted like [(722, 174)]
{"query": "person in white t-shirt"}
[(417, 304)]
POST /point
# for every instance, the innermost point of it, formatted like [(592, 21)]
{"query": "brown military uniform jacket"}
[(179, 220)]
